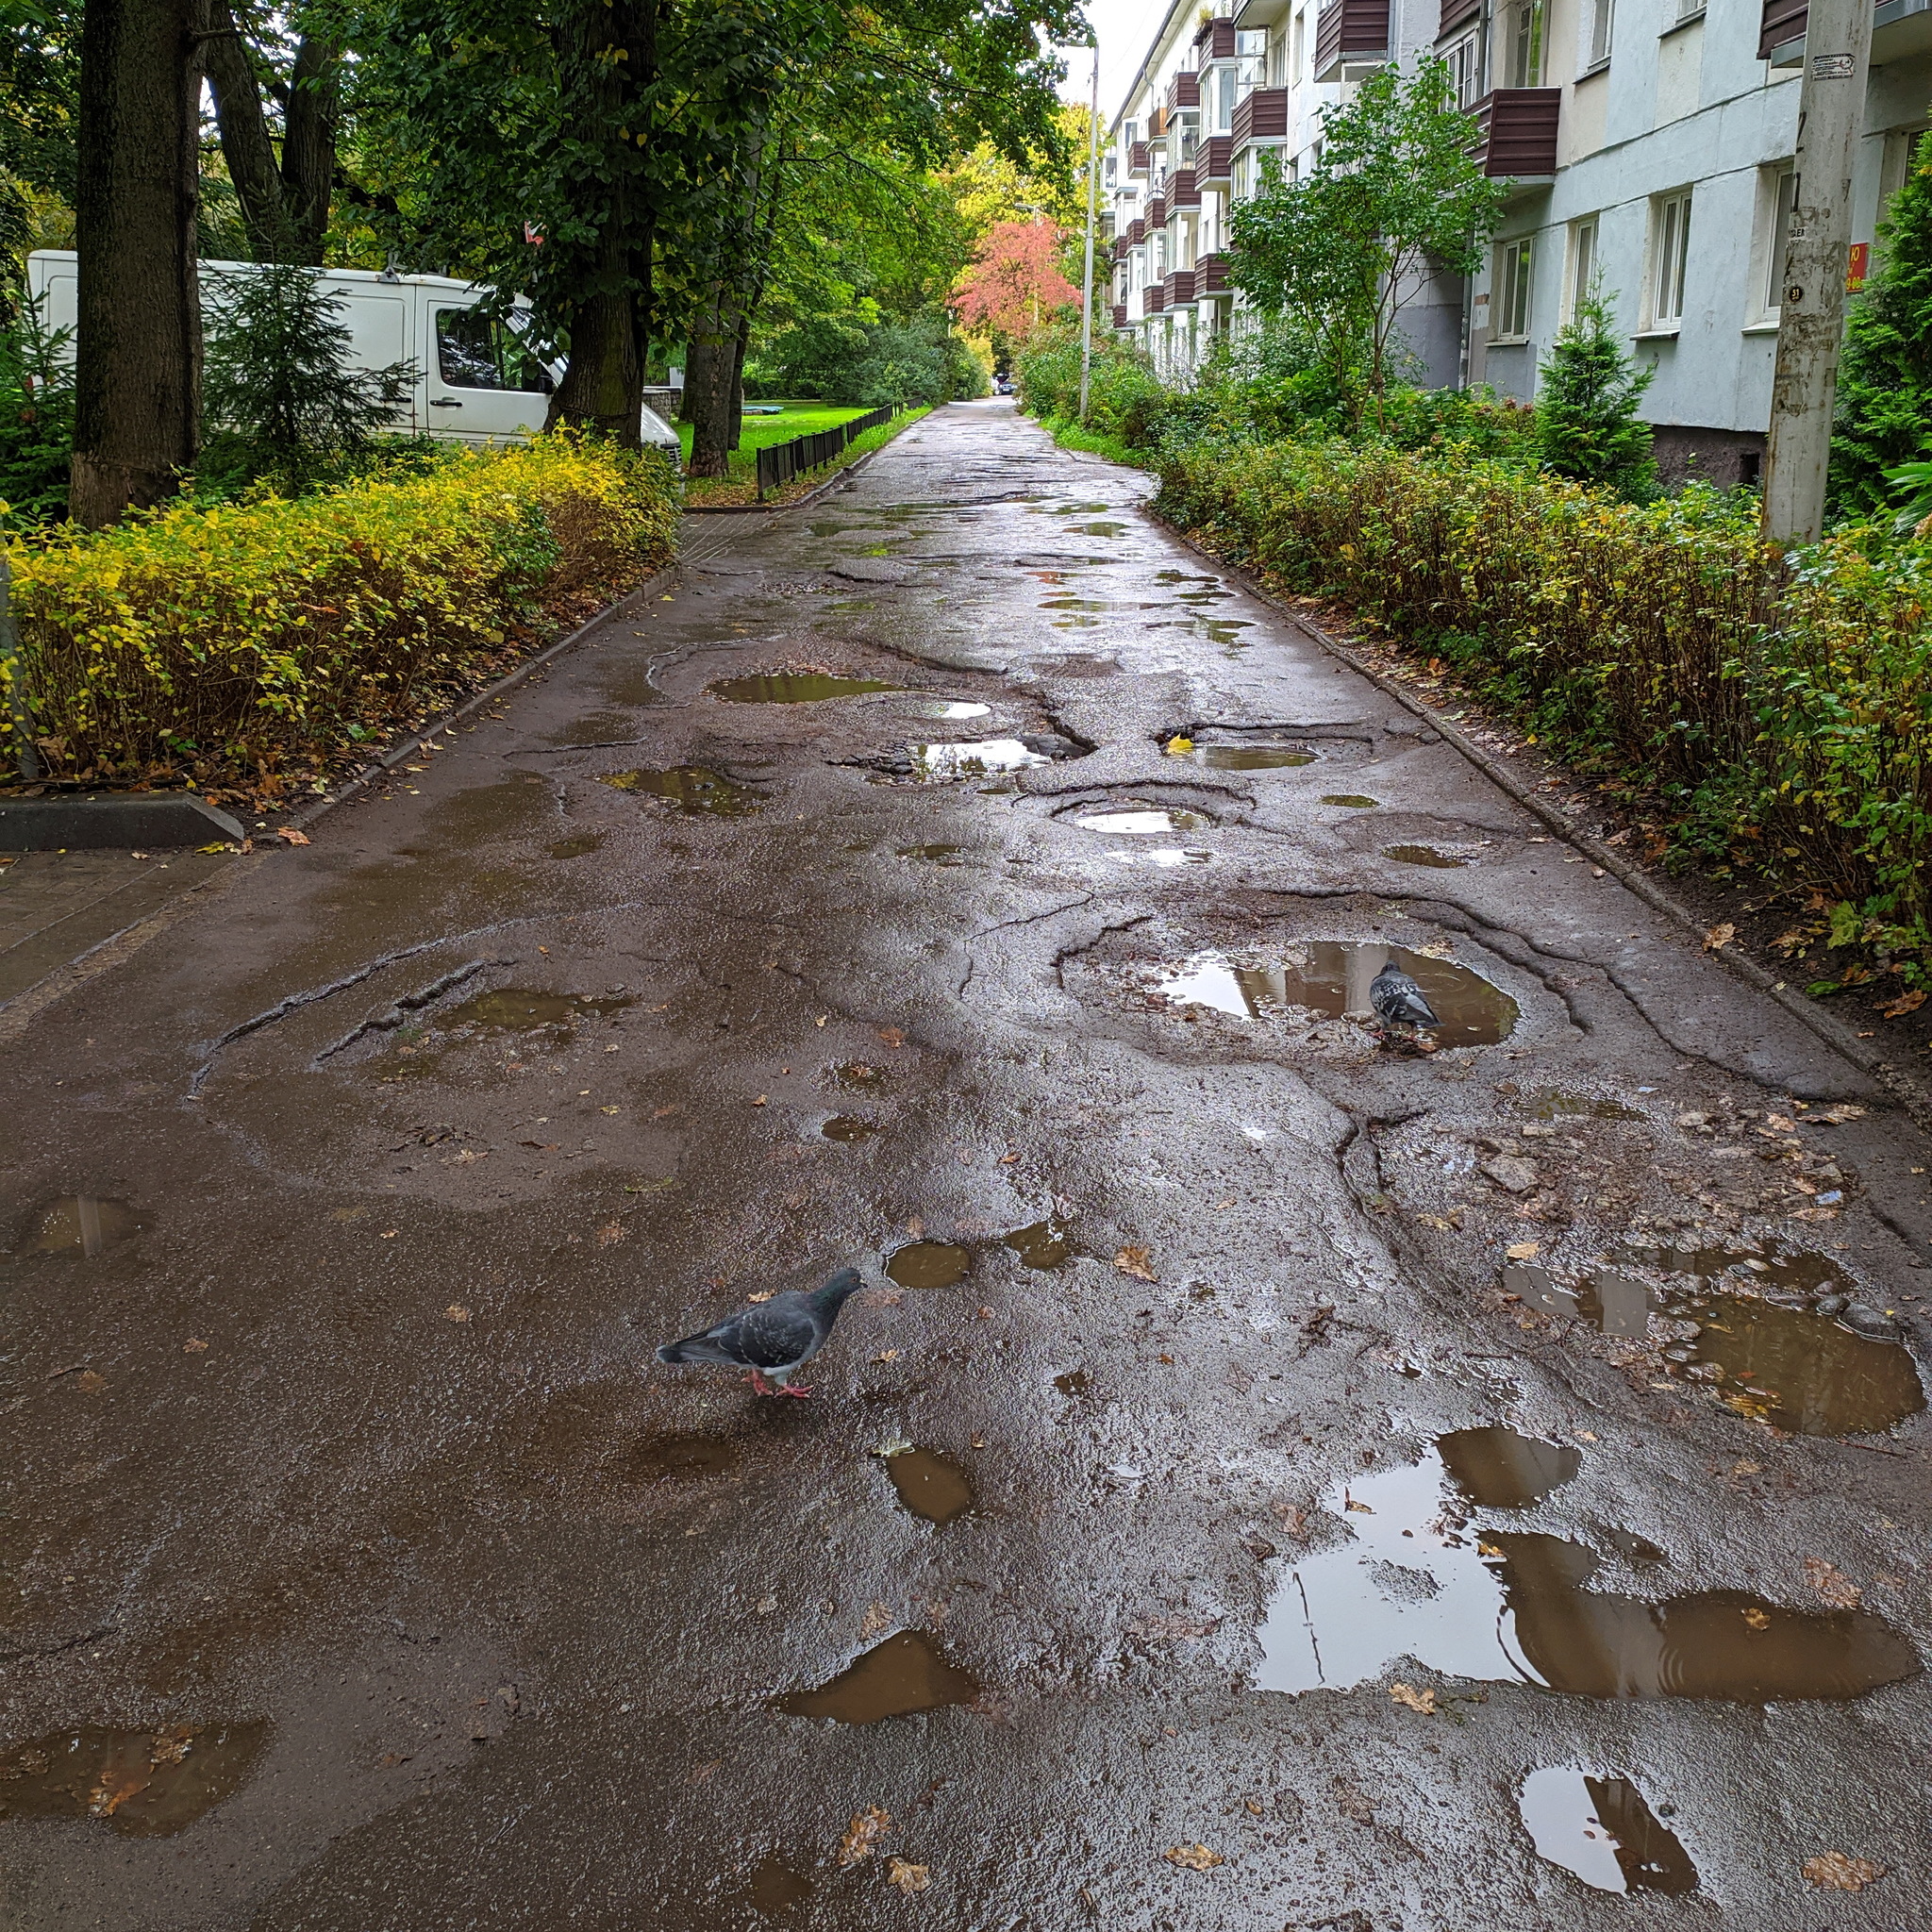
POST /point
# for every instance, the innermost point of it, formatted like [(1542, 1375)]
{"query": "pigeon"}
[(775, 1338), (1398, 1000)]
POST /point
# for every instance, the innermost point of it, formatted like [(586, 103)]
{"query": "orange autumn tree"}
[(1015, 281)]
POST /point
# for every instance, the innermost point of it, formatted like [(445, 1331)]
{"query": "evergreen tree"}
[(1885, 379), (1586, 423)]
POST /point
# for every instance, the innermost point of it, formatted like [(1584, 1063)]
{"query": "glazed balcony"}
[(1260, 114), (1519, 132), (1350, 33), (1215, 168)]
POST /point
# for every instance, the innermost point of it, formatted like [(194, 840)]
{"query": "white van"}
[(476, 380)]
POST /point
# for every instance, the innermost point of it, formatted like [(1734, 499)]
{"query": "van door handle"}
[(446, 403)]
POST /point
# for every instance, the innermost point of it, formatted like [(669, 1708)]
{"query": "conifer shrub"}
[(1587, 422)]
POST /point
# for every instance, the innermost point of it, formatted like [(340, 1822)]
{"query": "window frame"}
[(1513, 285), (1582, 260), (1464, 59), (1603, 28), (1666, 262)]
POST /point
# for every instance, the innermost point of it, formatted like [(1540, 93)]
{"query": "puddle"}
[(579, 846), (775, 1888), (1249, 757), (902, 1674), (1497, 1469), (940, 763), (928, 1264), (142, 1784), (1099, 529), (1045, 1246), (1145, 824), (929, 1485), (81, 1225), (1418, 854), (1163, 856), (675, 1460), (1601, 1829), (857, 1077), (1414, 1581), (693, 789), (848, 1127), (1074, 604), (939, 854), (1227, 632), (1075, 1382), (1805, 1274), (517, 1009), (793, 688), (1354, 800), (1327, 978), (1558, 1106), (951, 710)]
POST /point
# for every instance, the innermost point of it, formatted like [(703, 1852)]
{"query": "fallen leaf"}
[(1359, 1508), (105, 1800), (908, 1878), (1836, 1116), (886, 1355), (1421, 1701), (89, 1383), (611, 1233), (764, 1294), (1193, 1857), (1758, 1620), (892, 1036), (1523, 1251), (464, 1156), (979, 1441), (1835, 1872), (1905, 1003), (1719, 936), (219, 845), (195, 1345), (1179, 746), (862, 1834), (822, 1019), (611, 1109), (1832, 1584), (1134, 1261), (388, 1234), (290, 835), (1007, 1160), (455, 1313)]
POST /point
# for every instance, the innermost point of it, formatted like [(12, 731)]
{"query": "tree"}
[(1884, 416), (39, 79), (1396, 195), (137, 373), (1015, 281), (1587, 425)]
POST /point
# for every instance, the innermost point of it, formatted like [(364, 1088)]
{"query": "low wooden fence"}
[(779, 462)]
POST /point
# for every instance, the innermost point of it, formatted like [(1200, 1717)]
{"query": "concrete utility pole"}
[(1093, 215), (1831, 115)]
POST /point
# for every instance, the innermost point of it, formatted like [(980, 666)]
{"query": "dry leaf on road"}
[(1758, 1620), (1193, 1857), (455, 1313), (877, 1618), (1834, 1872), (1422, 1702), (291, 835), (1134, 1261), (195, 1345), (1719, 936), (1832, 1584), (1905, 1003), (862, 1834), (892, 1036), (610, 1234), (1523, 1251), (908, 1878)]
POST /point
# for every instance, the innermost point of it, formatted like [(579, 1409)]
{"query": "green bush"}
[(1126, 402), (848, 359), (1587, 425), (36, 417), (1777, 706)]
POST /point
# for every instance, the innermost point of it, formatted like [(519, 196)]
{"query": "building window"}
[(1522, 27), (1298, 59), (1777, 188), (1466, 71), (1578, 284), (1601, 14), (1510, 307), (1224, 99), (1670, 253)]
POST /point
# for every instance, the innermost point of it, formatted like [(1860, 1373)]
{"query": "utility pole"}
[(1811, 304), (1092, 214)]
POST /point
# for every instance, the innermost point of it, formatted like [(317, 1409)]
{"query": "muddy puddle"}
[(79, 1226), (857, 1076), (693, 789), (1423, 855), (1045, 1246), (1144, 822), (793, 688), (1353, 801), (1551, 1106), (520, 1009), (672, 1459), (941, 764), (938, 854), (1600, 1828), (1415, 1580), (1248, 758), (928, 1264), (1327, 978), (1497, 1469), (848, 1128), (142, 1784), (905, 1673), (1075, 1382), (776, 1889), (930, 1487), (578, 845)]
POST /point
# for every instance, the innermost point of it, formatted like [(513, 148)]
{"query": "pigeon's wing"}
[(718, 1344), (777, 1333)]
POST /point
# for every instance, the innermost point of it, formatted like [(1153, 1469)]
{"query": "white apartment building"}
[(1646, 142)]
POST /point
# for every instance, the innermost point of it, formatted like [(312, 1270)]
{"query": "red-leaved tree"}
[(1015, 281)]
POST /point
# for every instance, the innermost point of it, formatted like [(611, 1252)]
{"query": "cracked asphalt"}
[(363, 1570)]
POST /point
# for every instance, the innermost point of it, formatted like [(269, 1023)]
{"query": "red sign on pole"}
[(1858, 267)]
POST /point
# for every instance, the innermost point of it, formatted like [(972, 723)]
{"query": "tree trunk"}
[(738, 381), (602, 386), (709, 369), (245, 144), (137, 373), (308, 146)]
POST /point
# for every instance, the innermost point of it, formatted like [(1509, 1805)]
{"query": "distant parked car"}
[(467, 362), (1003, 385)]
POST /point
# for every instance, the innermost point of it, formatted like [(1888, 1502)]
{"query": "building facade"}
[(1647, 144)]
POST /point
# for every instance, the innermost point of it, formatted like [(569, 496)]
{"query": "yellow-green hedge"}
[(248, 644)]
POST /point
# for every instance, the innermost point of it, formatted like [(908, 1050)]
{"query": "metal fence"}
[(779, 462)]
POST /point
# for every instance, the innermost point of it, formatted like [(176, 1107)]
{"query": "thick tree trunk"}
[(137, 373), (738, 381), (708, 373), (602, 386), (245, 144), (308, 146)]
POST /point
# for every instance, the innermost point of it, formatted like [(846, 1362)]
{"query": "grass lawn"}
[(798, 419)]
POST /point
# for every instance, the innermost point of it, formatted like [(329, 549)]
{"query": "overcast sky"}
[(1124, 27)]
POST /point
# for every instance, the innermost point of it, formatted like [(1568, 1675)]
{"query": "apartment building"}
[(1647, 144)]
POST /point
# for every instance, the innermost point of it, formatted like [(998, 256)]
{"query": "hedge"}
[(1779, 706), (248, 645)]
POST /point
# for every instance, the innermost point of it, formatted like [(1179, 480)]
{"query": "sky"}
[(1124, 27)]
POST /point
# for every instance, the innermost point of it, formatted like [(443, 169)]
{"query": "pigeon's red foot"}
[(758, 1382), (791, 1389)]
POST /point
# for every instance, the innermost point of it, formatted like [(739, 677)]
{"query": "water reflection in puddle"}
[(84, 1225), (518, 1009), (1145, 824), (928, 1264), (938, 855), (951, 710), (578, 845), (793, 688), (1553, 1106), (1163, 855), (1355, 801), (1415, 1581), (693, 789), (848, 1127), (1422, 855), (902, 1674), (775, 1888), (929, 1484), (1249, 757), (1327, 978), (142, 1784), (1601, 1829), (1045, 1246), (1497, 1469), (940, 763)]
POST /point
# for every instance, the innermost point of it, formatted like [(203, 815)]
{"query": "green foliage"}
[(282, 404), (36, 416), (1127, 401), (1885, 380), (1396, 194), (1586, 423), (852, 358), (40, 82)]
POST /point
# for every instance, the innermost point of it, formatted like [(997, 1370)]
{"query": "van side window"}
[(474, 352)]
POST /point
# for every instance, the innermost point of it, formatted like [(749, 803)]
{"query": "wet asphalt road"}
[(364, 1570)]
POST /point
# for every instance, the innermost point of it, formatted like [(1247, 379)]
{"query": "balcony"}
[(1899, 30), (1180, 288), (1211, 274), (1215, 41), (1136, 158), (1455, 14), (1120, 315), (1350, 33), (1215, 166), (1153, 298), (1519, 132), (1260, 114), (1183, 91), (1183, 189), (1137, 232), (1157, 213)]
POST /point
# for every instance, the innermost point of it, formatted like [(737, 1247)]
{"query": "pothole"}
[(1599, 1830), (1045, 1246), (930, 1487), (905, 1673), (938, 855), (848, 1128), (949, 710), (985, 758), (1517, 1605), (140, 1783), (695, 790), (1142, 822), (1424, 854), (80, 1225), (1497, 1469), (928, 1264), (1353, 801), (793, 688), (1245, 757)]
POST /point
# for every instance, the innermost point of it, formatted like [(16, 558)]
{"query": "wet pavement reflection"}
[(793, 688), (140, 1783), (905, 1673), (693, 789), (1600, 1828)]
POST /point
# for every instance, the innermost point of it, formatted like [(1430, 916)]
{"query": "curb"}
[(101, 822), (1910, 1094), (811, 495)]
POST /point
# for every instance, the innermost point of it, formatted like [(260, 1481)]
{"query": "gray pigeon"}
[(775, 1338), (1398, 1000)]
